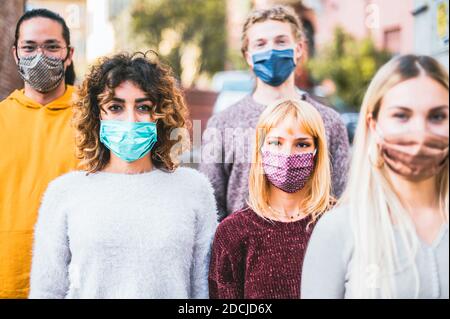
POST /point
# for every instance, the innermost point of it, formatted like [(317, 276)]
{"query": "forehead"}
[(419, 94), (40, 29), (269, 29), (128, 90), (288, 128)]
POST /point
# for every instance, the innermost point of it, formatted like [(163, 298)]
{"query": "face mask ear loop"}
[(379, 133), (17, 55), (65, 59), (375, 150), (379, 138), (67, 53)]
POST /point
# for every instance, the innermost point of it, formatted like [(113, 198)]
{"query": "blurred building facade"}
[(401, 26), (237, 11), (389, 23), (431, 30), (9, 14), (101, 27), (91, 24)]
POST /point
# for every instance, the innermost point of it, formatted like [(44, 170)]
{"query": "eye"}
[(303, 145), (401, 116), (28, 48), (144, 108), (438, 117), (274, 143), (52, 47), (114, 108)]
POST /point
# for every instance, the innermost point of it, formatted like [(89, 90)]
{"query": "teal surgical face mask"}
[(129, 141)]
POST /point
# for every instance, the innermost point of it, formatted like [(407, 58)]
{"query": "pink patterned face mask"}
[(290, 173)]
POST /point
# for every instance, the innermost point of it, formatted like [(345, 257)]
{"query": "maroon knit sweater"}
[(253, 258)]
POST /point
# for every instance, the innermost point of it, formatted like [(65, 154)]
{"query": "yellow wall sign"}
[(442, 21)]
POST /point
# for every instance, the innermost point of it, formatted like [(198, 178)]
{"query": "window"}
[(392, 40)]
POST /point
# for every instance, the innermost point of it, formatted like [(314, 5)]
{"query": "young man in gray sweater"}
[(273, 45)]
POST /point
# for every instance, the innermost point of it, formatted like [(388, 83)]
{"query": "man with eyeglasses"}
[(37, 141)]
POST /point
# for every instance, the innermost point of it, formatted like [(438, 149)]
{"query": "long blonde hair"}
[(318, 190), (370, 196)]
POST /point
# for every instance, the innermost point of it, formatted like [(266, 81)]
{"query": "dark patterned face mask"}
[(42, 72), (290, 173)]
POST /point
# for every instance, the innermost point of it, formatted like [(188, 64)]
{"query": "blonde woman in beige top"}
[(389, 236)]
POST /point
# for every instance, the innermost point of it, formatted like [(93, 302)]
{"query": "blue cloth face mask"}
[(129, 141), (274, 66)]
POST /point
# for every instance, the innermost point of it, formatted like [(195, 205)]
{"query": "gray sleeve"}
[(51, 253), (212, 164), (326, 261), (339, 156), (206, 224)]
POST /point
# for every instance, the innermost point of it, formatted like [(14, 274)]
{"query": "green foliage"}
[(350, 64), (236, 60), (197, 22)]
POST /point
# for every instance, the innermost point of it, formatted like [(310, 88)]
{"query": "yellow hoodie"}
[(37, 145)]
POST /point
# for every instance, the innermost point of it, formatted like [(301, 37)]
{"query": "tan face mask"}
[(416, 157), (42, 72)]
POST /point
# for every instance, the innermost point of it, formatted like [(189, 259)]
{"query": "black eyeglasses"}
[(46, 47)]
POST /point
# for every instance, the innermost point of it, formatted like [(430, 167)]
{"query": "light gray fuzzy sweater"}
[(109, 235)]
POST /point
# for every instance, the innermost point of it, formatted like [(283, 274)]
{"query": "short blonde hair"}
[(318, 199), (277, 13)]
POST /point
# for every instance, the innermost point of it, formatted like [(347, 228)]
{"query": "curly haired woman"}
[(131, 224)]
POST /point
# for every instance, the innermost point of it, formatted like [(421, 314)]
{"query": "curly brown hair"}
[(157, 81)]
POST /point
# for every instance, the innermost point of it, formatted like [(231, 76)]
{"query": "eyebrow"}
[(410, 110), (296, 139), (142, 99), (436, 108), (260, 40), (399, 107), (281, 36), (46, 41)]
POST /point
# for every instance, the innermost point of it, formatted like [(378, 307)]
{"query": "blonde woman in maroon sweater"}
[(257, 251)]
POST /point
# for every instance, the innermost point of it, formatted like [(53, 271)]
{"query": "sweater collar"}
[(252, 101), (63, 102)]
